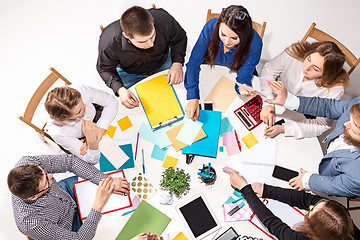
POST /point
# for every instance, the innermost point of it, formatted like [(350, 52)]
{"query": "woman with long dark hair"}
[(229, 40)]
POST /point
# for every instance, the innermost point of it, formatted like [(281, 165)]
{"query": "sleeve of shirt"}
[(73, 145), (49, 230), (271, 71), (340, 185), (294, 198), (274, 224), (178, 40), (191, 81), (64, 163), (106, 66), (305, 180), (246, 71), (292, 102), (109, 102), (312, 127)]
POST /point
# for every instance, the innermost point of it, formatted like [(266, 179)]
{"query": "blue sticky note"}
[(238, 194), (207, 146), (189, 131), (158, 153), (159, 136), (229, 200), (225, 126), (106, 166)]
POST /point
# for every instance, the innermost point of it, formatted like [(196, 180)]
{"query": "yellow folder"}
[(159, 101)]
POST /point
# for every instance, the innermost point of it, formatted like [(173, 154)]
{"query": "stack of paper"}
[(230, 143)]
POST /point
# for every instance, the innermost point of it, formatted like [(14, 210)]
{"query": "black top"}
[(114, 49), (291, 197)]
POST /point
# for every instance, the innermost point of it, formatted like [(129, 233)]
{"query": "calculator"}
[(249, 113)]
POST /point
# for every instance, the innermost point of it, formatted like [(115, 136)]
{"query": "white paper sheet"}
[(112, 152)]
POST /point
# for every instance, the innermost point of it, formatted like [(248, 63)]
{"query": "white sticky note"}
[(189, 131), (112, 152)]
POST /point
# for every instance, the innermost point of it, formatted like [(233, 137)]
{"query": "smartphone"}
[(284, 173), (208, 105)]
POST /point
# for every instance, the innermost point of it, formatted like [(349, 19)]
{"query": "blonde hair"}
[(60, 102), (333, 71)]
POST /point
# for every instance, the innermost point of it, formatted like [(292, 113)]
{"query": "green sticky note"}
[(146, 218), (221, 148)]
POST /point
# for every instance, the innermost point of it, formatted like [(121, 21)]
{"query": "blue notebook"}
[(207, 146), (106, 166)]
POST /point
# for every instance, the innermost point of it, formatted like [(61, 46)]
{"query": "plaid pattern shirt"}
[(51, 215)]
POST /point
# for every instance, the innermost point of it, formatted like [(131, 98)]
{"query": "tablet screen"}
[(198, 216)]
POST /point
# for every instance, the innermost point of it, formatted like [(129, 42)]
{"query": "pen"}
[(143, 163), (236, 200), (137, 143), (237, 140), (129, 212)]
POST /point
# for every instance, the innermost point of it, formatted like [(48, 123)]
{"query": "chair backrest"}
[(259, 28), (319, 35), (36, 98)]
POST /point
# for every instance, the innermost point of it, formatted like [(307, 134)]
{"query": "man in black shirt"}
[(137, 46)]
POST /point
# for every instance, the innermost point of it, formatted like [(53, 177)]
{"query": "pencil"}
[(137, 143)]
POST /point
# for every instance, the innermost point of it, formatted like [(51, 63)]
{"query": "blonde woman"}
[(79, 116), (306, 69)]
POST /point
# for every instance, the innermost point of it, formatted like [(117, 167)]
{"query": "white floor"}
[(64, 34)]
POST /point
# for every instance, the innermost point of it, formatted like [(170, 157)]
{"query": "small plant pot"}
[(209, 181)]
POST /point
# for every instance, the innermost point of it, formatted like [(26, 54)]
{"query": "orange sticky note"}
[(178, 145), (110, 131), (124, 123), (250, 140), (170, 162), (180, 236)]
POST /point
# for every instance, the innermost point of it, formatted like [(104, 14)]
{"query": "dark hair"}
[(60, 102), (332, 222), (243, 28), (23, 181), (137, 20), (334, 59)]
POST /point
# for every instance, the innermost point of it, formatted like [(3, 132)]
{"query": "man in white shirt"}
[(339, 169)]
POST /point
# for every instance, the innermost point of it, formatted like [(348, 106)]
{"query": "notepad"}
[(172, 133), (146, 218), (105, 164), (85, 192), (112, 152), (159, 101)]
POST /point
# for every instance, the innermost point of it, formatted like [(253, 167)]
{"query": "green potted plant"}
[(177, 182)]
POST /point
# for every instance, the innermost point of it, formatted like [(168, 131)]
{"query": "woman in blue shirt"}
[(229, 40)]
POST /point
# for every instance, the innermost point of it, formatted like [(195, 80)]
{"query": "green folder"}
[(146, 218)]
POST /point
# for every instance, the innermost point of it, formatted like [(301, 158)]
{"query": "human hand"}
[(147, 236), (175, 74), (243, 92), (103, 193), (84, 147), (280, 90), (90, 131), (127, 98), (192, 109), (236, 180), (296, 182), (258, 188), (101, 132), (121, 186), (267, 115), (274, 130)]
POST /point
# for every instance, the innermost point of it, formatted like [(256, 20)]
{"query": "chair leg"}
[(41, 136)]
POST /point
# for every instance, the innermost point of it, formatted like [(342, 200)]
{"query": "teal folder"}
[(105, 164), (207, 146)]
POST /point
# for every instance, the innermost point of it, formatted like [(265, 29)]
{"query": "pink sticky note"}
[(243, 214), (232, 150), (228, 169), (135, 201), (229, 139)]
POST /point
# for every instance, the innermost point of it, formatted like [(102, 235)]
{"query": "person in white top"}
[(309, 70), (72, 112)]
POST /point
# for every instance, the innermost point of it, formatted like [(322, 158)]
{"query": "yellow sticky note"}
[(170, 162), (124, 123), (180, 236), (110, 131), (250, 140)]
